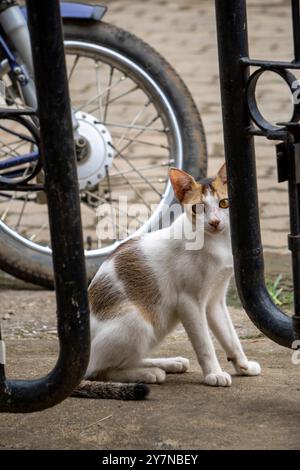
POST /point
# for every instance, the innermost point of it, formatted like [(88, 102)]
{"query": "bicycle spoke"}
[(99, 91), (143, 142), (17, 134), (96, 97), (21, 213), (110, 200), (126, 93), (140, 128), (75, 62), (4, 214), (102, 200), (117, 225), (135, 190), (111, 72), (143, 168), (136, 170), (141, 132), (14, 142), (13, 150), (133, 122), (35, 235)]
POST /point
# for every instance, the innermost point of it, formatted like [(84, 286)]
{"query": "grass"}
[(280, 290)]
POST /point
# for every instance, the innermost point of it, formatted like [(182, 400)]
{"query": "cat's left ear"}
[(182, 183), (222, 174)]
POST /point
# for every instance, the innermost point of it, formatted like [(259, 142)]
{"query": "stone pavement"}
[(256, 413)]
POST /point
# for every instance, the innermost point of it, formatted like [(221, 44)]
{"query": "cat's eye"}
[(224, 203), (197, 208)]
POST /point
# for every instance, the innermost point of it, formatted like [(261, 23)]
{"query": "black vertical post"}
[(296, 28), (64, 218), (294, 189), (294, 235), (242, 186), (58, 153), (2, 364)]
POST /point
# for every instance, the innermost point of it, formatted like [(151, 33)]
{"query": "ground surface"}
[(256, 413)]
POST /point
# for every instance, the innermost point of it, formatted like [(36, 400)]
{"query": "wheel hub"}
[(94, 151)]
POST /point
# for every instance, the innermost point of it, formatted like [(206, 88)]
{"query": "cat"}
[(150, 284)]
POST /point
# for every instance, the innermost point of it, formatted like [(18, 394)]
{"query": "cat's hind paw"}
[(220, 379), (176, 365), (252, 368), (154, 375)]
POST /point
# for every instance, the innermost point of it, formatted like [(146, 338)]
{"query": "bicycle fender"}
[(78, 11)]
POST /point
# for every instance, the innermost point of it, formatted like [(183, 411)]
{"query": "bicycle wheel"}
[(135, 118)]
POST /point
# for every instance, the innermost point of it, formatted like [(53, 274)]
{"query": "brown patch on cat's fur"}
[(219, 188), (139, 282), (138, 279), (105, 300), (219, 184)]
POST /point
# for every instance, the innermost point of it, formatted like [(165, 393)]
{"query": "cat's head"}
[(209, 195)]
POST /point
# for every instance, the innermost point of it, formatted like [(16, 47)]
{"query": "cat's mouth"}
[(212, 229)]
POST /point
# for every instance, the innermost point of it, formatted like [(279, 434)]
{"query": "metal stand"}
[(65, 222), (242, 120)]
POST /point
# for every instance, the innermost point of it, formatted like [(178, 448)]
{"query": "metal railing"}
[(241, 121), (64, 216)]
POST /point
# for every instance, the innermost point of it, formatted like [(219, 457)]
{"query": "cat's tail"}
[(111, 390)]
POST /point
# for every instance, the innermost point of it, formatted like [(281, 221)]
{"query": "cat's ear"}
[(182, 183), (222, 174)]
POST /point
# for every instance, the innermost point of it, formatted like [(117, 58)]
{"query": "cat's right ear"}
[(182, 183)]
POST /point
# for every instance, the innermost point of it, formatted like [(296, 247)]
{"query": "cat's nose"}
[(214, 223)]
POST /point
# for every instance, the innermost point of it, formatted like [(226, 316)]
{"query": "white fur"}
[(193, 287)]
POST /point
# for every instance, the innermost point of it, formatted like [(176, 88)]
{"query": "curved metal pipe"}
[(64, 217), (242, 185)]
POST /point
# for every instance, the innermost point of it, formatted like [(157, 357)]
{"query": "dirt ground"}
[(255, 413)]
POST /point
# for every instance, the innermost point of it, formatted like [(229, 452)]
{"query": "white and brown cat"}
[(151, 284)]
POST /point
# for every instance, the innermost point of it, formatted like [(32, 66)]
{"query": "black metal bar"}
[(242, 186), (2, 365), (296, 28), (64, 218), (292, 156), (269, 64)]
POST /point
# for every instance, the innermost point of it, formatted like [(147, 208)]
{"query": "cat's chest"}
[(220, 256), (203, 270)]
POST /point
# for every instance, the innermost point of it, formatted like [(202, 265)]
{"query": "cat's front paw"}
[(220, 379), (250, 368), (176, 365)]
